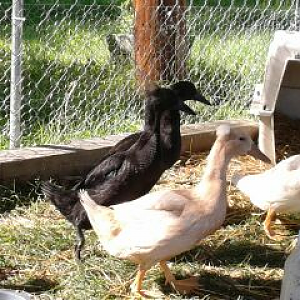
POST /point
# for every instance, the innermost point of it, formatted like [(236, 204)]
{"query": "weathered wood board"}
[(78, 157)]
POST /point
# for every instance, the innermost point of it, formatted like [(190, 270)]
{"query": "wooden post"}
[(160, 36)]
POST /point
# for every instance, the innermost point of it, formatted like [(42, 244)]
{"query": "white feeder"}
[(280, 90), (290, 286), (14, 295)]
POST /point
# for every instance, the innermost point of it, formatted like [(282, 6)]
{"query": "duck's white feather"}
[(278, 188), (175, 226)]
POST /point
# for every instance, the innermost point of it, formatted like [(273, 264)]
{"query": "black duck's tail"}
[(64, 200)]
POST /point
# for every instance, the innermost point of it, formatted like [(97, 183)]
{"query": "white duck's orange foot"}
[(267, 224), (269, 232), (138, 293), (186, 286), (143, 294), (272, 235), (136, 286)]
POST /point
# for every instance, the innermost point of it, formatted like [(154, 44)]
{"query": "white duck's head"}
[(238, 142)]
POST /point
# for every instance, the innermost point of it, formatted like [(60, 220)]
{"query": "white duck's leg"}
[(136, 286), (186, 286), (271, 214)]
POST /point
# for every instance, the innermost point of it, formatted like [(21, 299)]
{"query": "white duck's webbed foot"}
[(271, 215), (185, 286), (136, 286)]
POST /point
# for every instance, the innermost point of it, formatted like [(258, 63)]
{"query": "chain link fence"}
[(5, 64), (78, 66)]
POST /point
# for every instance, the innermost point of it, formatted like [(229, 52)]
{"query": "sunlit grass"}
[(66, 43), (56, 133), (225, 63), (236, 57)]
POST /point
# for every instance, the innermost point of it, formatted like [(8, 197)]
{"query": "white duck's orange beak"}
[(256, 153)]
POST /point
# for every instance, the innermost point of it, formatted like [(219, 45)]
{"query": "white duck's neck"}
[(217, 162), (212, 186)]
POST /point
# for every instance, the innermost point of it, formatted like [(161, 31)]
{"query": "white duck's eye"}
[(242, 138)]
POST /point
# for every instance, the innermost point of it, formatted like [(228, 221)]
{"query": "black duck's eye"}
[(242, 138)]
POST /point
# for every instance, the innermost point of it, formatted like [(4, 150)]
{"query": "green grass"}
[(78, 2), (36, 253), (224, 63), (220, 63), (250, 3), (51, 64), (216, 67)]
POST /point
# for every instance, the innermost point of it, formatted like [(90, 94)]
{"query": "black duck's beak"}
[(185, 108), (200, 98)]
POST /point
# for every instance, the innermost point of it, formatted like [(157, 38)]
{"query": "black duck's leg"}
[(80, 241)]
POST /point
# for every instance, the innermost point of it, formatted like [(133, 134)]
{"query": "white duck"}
[(162, 224), (276, 190)]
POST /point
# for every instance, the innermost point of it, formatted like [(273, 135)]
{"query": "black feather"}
[(132, 166)]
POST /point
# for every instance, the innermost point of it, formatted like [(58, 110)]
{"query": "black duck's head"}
[(186, 90), (163, 99)]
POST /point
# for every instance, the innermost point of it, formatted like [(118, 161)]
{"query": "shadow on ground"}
[(223, 287), (236, 253), (34, 285)]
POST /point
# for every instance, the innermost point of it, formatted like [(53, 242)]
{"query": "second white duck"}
[(276, 190)]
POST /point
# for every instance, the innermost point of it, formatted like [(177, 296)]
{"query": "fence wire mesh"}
[(5, 55), (79, 72)]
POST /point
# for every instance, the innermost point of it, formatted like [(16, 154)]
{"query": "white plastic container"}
[(290, 288), (14, 295)]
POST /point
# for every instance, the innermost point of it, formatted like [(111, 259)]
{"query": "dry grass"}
[(237, 262)]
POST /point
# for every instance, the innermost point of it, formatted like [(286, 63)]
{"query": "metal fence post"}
[(16, 82)]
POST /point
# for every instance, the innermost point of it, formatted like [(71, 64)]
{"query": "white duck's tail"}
[(102, 218)]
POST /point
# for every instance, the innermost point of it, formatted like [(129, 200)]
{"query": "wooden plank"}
[(80, 156), (200, 137)]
